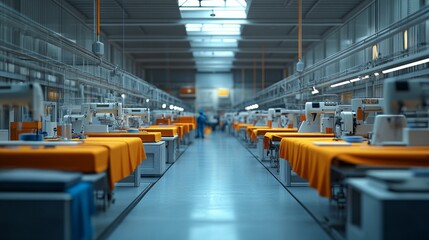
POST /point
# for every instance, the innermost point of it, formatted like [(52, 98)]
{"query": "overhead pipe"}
[(97, 46), (98, 20), (300, 64)]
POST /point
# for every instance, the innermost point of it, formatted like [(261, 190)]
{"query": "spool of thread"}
[(359, 114), (329, 130)]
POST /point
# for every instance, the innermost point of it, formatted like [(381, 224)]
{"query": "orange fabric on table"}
[(126, 155), (81, 158), (239, 126), (144, 136), (261, 131), (163, 121), (249, 131), (184, 125), (135, 149), (165, 131), (314, 162), (118, 159), (277, 136), (187, 119)]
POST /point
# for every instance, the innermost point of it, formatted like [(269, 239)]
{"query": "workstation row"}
[(360, 169), (75, 179)]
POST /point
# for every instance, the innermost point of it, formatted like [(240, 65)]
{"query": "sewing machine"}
[(283, 118), (258, 117), (359, 119), (29, 95), (406, 118), (319, 117), (137, 117), (163, 117), (102, 117), (76, 120), (242, 117)]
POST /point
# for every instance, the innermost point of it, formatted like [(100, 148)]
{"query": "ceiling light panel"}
[(213, 54)]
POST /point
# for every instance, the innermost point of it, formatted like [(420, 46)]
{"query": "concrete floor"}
[(218, 190)]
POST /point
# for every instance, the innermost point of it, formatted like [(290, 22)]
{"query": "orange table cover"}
[(249, 131), (276, 136), (186, 119), (261, 131), (238, 126), (144, 136), (184, 125), (81, 158), (314, 162), (126, 154), (191, 120), (165, 131)]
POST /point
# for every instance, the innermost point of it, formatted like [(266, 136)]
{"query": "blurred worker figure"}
[(201, 121)]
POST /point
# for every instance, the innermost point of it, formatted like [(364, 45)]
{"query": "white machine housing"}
[(102, 111), (76, 120), (360, 119), (137, 117), (171, 114), (282, 117), (404, 98), (29, 95), (241, 117), (258, 117), (318, 117)]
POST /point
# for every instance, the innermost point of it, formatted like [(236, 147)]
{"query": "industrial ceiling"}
[(169, 34)]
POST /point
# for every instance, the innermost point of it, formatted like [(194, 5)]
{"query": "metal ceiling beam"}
[(243, 21), (311, 8), (199, 59), (210, 49), (139, 38), (211, 67)]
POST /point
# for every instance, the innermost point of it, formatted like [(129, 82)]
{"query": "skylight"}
[(212, 3), (214, 29), (213, 54), (212, 26)]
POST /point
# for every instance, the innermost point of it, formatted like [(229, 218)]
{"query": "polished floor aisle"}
[(218, 190)]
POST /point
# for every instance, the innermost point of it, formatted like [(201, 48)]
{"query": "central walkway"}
[(218, 190)]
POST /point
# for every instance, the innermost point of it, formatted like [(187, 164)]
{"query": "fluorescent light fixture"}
[(123, 95), (213, 54), (251, 107), (315, 91), (340, 84), (406, 66), (376, 74), (147, 100), (355, 79), (171, 107), (164, 105), (214, 29)]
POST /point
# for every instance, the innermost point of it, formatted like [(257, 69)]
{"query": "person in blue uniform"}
[(201, 121)]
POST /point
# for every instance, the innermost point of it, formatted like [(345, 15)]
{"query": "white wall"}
[(207, 85)]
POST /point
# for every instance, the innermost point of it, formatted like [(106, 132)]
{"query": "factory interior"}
[(214, 119)]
